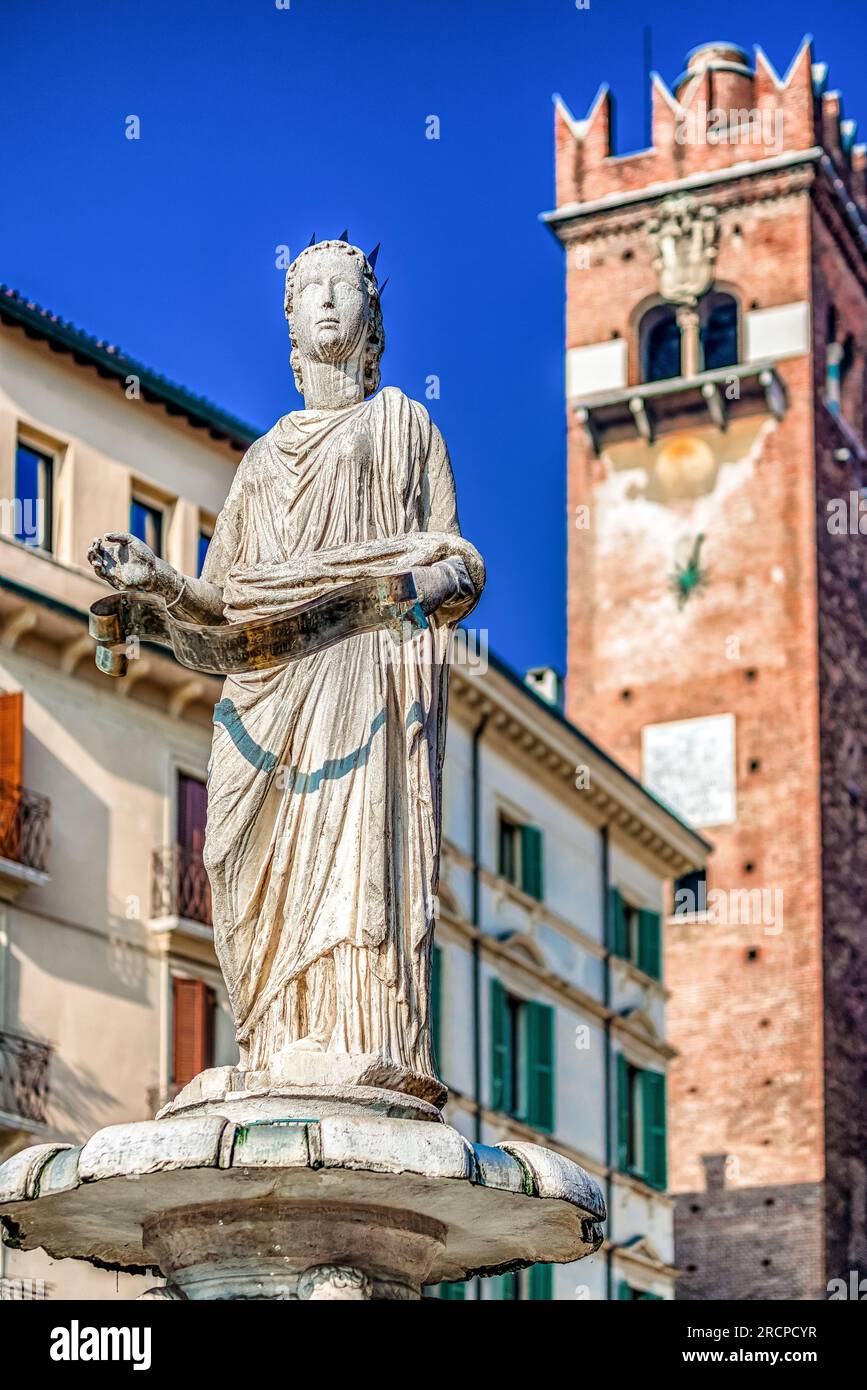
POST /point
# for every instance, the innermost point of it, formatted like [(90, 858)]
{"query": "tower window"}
[(659, 339), (719, 331), (690, 893)]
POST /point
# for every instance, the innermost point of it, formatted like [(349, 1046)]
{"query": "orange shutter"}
[(11, 762), (194, 1006), (11, 737)]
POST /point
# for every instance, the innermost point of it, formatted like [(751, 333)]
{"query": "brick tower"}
[(717, 600)]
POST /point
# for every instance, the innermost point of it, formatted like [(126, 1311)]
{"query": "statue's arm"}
[(128, 563), (447, 583)]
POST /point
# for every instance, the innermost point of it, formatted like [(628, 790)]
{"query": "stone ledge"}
[(501, 1207)]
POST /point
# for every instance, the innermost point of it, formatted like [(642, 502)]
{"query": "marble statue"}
[(324, 807), (321, 1168)]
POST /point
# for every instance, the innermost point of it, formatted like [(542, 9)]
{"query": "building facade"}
[(551, 1005), (715, 351)]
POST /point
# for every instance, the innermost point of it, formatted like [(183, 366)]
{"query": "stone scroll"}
[(259, 643)]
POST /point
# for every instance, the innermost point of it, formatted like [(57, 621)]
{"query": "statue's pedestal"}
[(294, 1206)]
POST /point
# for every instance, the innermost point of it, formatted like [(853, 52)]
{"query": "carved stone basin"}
[(340, 1207)]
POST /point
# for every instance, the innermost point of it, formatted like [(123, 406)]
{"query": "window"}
[(840, 358), (11, 761), (636, 934), (509, 856), (192, 813), (193, 1031), (534, 1284), (719, 330), (453, 1293), (11, 737), (522, 1058), (641, 1132), (146, 522), (659, 343), (627, 1291), (690, 893), (34, 496), (191, 888), (505, 1287), (520, 856), (660, 338), (202, 551)]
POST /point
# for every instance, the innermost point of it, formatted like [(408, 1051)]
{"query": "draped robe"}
[(325, 774)]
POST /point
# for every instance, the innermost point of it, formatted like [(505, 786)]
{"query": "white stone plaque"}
[(690, 765)]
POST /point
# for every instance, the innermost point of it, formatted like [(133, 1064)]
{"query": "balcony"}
[(23, 1290), (25, 822), (654, 408), (24, 1066), (180, 890)]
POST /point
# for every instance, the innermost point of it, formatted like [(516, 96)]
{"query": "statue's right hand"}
[(124, 561)]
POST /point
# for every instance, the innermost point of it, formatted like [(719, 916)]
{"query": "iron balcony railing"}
[(24, 1077), (25, 822), (179, 885), (25, 1290)]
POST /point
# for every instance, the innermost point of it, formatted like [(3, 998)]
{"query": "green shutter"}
[(656, 1168), (501, 1048), (540, 1066), (617, 925), (453, 1293), (436, 992), (655, 1297), (624, 1290), (650, 943), (541, 1283), (623, 1113), (531, 862), (505, 1286)]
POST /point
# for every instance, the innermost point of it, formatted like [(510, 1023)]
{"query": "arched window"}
[(659, 341), (719, 330)]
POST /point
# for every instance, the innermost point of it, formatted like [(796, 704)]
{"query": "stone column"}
[(690, 340)]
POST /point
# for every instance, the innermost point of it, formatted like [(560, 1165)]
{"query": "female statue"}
[(324, 781)]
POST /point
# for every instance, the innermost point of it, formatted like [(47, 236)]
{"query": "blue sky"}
[(261, 125)]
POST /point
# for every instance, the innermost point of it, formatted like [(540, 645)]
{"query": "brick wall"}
[(841, 279), (755, 1243)]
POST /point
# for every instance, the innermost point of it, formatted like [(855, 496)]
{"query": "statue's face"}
[(330, 308)]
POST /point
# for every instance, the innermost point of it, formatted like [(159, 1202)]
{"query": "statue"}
[(321, 1168), (324, 804)]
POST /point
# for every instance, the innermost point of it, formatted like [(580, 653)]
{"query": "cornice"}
[(492, 948), (625, 219), (692, 183), (547, 741)]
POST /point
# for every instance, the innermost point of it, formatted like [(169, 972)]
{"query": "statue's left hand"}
[(434, 586)]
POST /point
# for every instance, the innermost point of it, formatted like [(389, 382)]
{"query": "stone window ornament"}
[(685, 240)]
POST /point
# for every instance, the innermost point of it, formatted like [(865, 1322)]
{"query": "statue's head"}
[(333, 309)]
